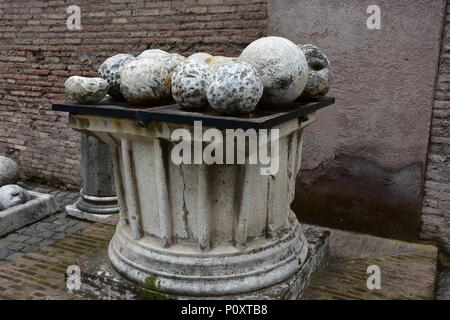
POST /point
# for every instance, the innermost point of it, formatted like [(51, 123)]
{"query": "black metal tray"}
[(264, 119)]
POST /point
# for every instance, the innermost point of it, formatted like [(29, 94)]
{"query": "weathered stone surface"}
[(145, 81), (9, 171), (200, 56), (110, 71), (155, 54), (86, 90), (282, 67), (226, 212), (99, 280), (407, 270), (12, 195), (36, 207), (189, 84), (235, 88), (320, 73), (217, 61)]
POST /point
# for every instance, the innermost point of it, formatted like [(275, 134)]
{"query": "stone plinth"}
[(197, 230), (39, 206), (98, 198)]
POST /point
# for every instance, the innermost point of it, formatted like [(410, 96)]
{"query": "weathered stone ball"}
[(110, 71), (9, 171), (282, 67), (145, 81), (320, 73), (86, 90), (235, 88), (12, 195), (173, 61), (153, 54), (217, 61), (189, 84), (200, 56)]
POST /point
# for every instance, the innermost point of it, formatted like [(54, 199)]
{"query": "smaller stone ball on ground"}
[(12, 195), (110, 71), (9, 171), (189, 84), (235, 88), (86, 90), (320, 73)]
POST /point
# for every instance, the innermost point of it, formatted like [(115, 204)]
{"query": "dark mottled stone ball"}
[(235, 88), (110, 71), (320, 73)]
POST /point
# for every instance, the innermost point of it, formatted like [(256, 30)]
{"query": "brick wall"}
[(436, 201), (37, 54)]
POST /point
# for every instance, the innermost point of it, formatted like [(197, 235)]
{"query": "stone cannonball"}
[(320, 73), (189, 84), (282, 67), (235, 88), (12, 195), (153, 54), (9, 171), (200, 56), (86, 90), (110, 71), (217, 61), (145, 81), (173, 61)]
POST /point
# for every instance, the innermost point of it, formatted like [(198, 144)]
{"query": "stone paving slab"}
[(443, 292), (408, 270)]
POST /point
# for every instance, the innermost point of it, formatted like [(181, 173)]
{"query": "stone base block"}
[(99, 280), (73, 211), (40, 206)]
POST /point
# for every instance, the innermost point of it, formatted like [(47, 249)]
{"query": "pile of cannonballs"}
[(270, 71)]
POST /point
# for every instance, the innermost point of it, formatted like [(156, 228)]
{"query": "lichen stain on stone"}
[(150, 291)]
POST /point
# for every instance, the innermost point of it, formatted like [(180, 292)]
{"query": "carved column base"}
[(93, 208)]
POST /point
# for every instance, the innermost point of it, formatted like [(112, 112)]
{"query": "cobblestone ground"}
[(44, 232)]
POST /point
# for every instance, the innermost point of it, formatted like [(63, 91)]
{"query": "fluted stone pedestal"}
[(98, 198), (197, 230)]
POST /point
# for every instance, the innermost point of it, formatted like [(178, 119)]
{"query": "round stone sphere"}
[(320, 73), (153, 54), (189, 84), (200, 56), (217, 61), (145, 81), (9, 171), (110, 71), (86, 90), (12, 195), (282, 67), (173, 61), (235, 88)]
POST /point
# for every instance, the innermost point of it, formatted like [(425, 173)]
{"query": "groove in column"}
[(131, 190), (245, 207), (203, 207), (165, 215), (123, 212)]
